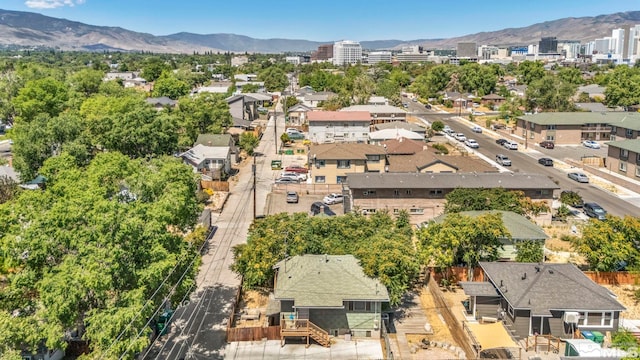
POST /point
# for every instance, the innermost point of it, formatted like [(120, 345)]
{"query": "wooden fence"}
[(456, 274), (215, 185), (253, 333)]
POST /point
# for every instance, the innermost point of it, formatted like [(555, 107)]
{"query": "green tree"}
[(248, 142), (42, 96), (284, 138), (529, 251), (86, 81), (204, 113), (550, 93), (170, 86), (607, 245), (153, 68), (530, 71), (437, 126), (250, 88), (274, 79), (462, 199)]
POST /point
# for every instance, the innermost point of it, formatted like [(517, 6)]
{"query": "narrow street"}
[(198, 327)]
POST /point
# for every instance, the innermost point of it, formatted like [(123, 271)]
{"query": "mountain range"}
[(27, 29)]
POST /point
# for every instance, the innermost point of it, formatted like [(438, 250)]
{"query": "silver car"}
[(579, 177)]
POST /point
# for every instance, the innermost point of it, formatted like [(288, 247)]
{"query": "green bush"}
[(441, 149)]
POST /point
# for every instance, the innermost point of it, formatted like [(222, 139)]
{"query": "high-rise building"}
[(379, 56), (325, 52), (347, 52), (548, 45), (466, 49)]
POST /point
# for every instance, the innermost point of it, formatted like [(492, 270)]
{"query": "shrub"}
[(441, 149)]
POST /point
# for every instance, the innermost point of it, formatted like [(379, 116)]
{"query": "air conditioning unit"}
[(571, 317)]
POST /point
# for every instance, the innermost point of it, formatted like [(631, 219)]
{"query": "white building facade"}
[(347, 52)]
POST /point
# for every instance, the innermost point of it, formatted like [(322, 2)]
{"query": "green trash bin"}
[(598, 337), (289, 152)]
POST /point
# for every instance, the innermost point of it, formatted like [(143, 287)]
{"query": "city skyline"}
[(329, 20)]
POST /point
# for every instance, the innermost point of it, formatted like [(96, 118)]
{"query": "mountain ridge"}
[(27, 29)]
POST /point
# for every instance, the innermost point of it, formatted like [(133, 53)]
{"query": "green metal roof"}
[(325, 281), (627, 120), (631, 145), (518, 226)]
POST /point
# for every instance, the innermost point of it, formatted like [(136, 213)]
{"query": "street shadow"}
[(198, 327)]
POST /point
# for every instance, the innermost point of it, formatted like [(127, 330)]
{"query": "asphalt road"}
[(527, 162)]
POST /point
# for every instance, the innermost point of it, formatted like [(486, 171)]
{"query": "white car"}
[(476, 129), (472, 143), (460, 137), (333, 199), (294, 175), (511, 145), (478, 113), (591, 144)]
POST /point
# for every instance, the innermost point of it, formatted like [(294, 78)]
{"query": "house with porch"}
[(330, 163), (220, 140), (327, 295), (492, 99), (423, 195), (338, 126), (297, 114), (380, 114), (519, 228), (212, 161), (541, 298)]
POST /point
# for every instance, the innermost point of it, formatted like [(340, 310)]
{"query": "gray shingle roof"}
[(325, 281), (518, 226), (478, 288), (553, 287), (631, 145), (213, 139), (344, 151), (450, 181)]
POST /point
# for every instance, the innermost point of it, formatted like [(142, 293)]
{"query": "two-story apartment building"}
[(423, 195), (330, 163), (338, 126), (623, 157)]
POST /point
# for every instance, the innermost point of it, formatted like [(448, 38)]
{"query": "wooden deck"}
[(303, 328)]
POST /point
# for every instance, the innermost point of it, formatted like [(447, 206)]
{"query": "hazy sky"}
[(320, 20)]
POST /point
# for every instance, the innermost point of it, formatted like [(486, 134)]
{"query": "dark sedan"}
[(547, 144), (545, 161), (501, 141)]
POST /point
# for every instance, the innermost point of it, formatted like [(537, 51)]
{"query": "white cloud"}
[(52, 4)]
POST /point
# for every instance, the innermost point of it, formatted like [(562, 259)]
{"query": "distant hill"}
[(19, 28)]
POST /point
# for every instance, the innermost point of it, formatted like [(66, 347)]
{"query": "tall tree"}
[(170, 86)]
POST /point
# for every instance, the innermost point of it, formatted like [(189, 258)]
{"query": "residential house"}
[(239, 60), (379, 136), (244, 108), (220, 140), (136, 82), (623, 157), (302, 91), (129, 75), (401, 125), (592, 107), (519, 228), (313, 100), (423, 195), (380, 113), (542, 298), (429, 161), (338, 126), (161, 103), (378, 100), (213, 161), (330, 291), (298, 114), (241, 84), (459, 100), (624, 125), (215, 88), (517, 90), (492, 99), (330, 163), (403, 146), (595, 91), (245, 77)]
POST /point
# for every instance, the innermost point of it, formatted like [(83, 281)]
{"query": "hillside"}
[(32, 29)]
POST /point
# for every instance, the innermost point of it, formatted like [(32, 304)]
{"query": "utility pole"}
[(275, 124), (253, 170)]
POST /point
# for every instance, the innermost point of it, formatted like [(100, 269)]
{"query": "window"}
[(596, 319), (320, 163), (511, 311), (623, 166), (628, 133), (407, 192), (532, 126), (320, 180), (344, 164), (373, 158), (624, 154), (396, 192), (638, 171), (551, 127), (532, 135), (341, 179), (550, 138), (435, 192), (369, 192), (396, 211), (368, 211), (416, 211), (614, 129)]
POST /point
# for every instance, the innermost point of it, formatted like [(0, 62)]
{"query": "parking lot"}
[(277, 203)]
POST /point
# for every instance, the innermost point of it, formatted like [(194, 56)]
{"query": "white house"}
[(338, 126), (208, 158)]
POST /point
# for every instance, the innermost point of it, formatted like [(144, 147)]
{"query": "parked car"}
[(503, 160), (414, 99), (571, 198), (476, 129), (294, 175), (318, 207), (292, 197), (511, 145), (332, 198), (579, 177), (477, 113), (296, 136), (472, 143), (286, 180), (547, 144), (501, 141), (545, 161), (406, 105), (591, 144), (594, 210), (447, 130), (294, 168), (288, 130), (460, 137)]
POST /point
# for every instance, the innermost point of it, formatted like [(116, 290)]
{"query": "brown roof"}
[(338, 116), (426, 158), (403, 146), (492, 97), (344, 151)]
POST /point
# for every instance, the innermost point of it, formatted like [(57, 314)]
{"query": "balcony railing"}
[(596, 128)]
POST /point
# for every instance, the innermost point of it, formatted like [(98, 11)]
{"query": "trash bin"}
[(598, 337), (587, 335)]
